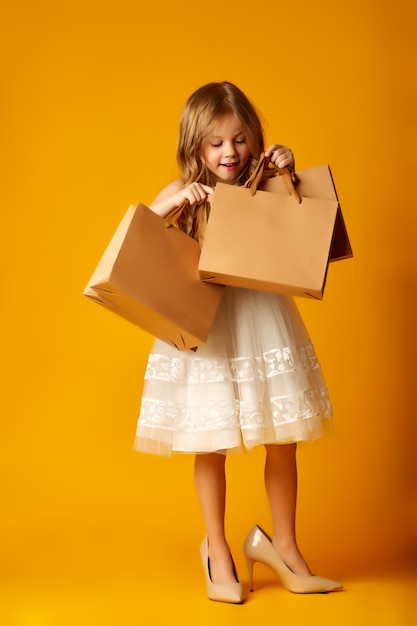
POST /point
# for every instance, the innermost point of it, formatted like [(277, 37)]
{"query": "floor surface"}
[(98, 582)]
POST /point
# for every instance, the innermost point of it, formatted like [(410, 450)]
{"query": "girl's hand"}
[(196, 194), (174, 194), (280, 156)]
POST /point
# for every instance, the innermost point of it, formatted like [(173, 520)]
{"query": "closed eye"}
[(218, 144)]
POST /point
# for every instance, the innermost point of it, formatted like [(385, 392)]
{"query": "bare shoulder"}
[(169, 190)]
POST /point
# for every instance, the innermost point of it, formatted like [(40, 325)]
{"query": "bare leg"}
[(210, 481), (281, 488)]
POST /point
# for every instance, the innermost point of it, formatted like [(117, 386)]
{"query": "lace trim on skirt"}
[(201, 370), (214, 425)]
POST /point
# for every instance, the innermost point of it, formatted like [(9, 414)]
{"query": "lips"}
[(229, 166)]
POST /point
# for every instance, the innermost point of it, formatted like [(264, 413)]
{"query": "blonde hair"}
[(201, 112)]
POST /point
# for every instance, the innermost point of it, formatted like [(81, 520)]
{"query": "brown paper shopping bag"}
[(148, 275), (317, 182), (271, 241)]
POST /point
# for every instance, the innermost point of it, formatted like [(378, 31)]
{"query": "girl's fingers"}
[(271, 149), (197, 193), (280, 156), (283, 159)]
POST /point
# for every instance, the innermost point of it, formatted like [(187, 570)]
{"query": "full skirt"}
[(256, 380)]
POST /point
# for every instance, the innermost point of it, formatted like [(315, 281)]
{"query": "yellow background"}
[(91, 92)]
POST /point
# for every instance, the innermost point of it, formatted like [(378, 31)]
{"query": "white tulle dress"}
[(256, 380)]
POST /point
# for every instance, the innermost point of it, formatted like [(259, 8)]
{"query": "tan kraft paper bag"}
[(317, 182), (274, 239), (148, 275)]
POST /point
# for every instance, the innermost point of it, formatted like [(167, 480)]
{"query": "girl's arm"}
[(280, 156), (175, 193)]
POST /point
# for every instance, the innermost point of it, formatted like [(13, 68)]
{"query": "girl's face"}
[(225, 150)]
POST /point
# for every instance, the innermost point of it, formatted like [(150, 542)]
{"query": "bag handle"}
[(172, 218), (261, 171), (198, 223)]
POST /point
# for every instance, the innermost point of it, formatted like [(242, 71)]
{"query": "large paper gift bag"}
[(267, 240), (149, 275), (317, 182)]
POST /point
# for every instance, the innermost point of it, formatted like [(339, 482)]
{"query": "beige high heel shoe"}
[(258, 548), (228, 592)]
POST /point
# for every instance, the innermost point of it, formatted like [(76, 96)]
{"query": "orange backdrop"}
[(91, 97)]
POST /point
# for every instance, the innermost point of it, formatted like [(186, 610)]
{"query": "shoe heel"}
[(250, 562), (258, 547)]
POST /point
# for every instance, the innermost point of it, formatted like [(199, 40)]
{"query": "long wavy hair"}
[(201, 112)]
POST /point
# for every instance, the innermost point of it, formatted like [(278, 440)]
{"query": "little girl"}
[(255, 381)]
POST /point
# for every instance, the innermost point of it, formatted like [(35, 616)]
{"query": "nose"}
[(230, 149)]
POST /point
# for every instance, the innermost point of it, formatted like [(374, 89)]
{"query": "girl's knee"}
[(211, 458), (280, 452)]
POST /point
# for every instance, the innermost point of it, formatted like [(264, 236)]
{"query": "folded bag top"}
[(269, 236)]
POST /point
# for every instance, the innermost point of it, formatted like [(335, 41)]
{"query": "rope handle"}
[(198, 223), (258, 174), (173, 216)]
